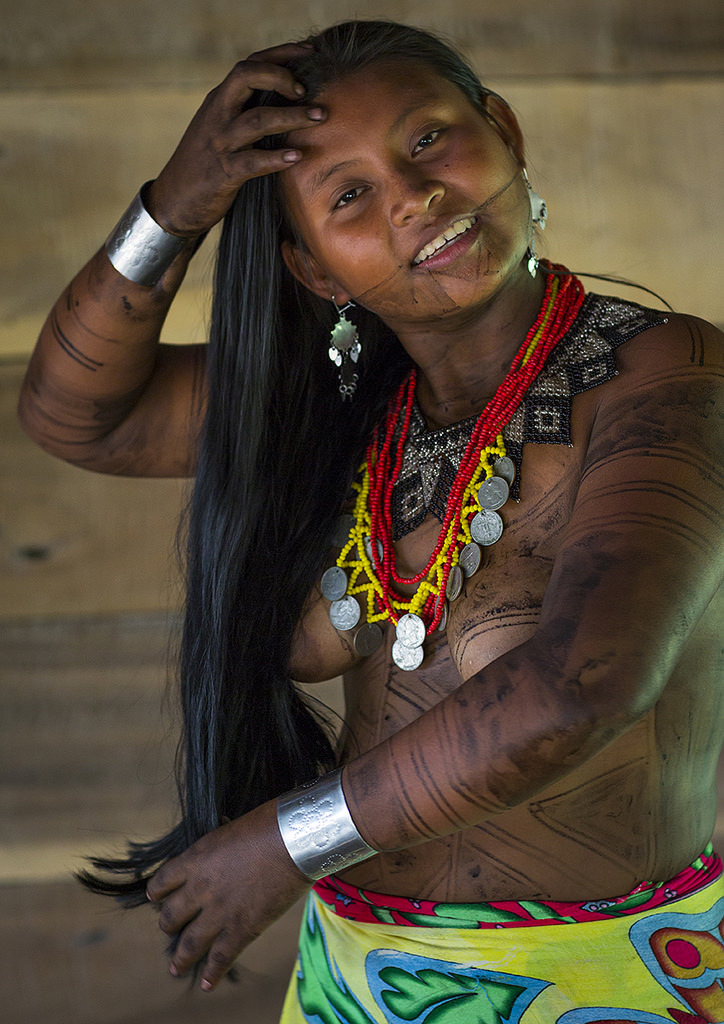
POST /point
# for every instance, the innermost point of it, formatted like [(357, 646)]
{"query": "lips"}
[(444, 239)]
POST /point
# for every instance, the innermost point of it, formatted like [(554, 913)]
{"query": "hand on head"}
[(218, 151)]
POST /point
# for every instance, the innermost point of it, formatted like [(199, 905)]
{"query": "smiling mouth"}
[(445, 238)]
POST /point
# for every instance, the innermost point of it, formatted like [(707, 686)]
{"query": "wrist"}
[(317, 828), (139, 248)]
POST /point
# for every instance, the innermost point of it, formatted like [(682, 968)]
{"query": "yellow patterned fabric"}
[(660, 966)]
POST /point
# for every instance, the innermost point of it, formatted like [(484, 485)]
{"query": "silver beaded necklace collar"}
[(583, 359)]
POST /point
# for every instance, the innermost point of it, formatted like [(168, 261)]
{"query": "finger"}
[(254, 163), (219, 960), (248, 75), (167, 879), (194, 943), (259, 122), (175, 913), (282, 53)]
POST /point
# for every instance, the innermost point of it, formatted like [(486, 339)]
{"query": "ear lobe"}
[(506, 124), (306, 269)]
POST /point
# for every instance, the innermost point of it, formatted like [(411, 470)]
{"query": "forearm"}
[(502, 736), (95, 355)]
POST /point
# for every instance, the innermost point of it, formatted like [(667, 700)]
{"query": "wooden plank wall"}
[(620, 101)]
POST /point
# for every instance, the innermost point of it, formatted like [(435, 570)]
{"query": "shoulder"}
[(644, 347), (668, 391), (630, 330), (682, 341)]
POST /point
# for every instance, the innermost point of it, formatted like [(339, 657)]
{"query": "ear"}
[(302, 265), (506, 124)]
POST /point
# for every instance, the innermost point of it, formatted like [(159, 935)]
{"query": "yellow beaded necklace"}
[(366, 564)]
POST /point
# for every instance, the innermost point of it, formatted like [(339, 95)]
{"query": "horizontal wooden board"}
[(67, 957), (631, 172), (87, 752), (142, 41), (74, 542), (88, 730)]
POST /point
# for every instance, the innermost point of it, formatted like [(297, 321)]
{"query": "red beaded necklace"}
[(562, 300)]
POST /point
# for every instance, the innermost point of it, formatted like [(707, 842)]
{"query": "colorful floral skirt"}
[(653, 956)]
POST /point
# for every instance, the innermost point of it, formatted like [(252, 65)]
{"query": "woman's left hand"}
[(224, 891)]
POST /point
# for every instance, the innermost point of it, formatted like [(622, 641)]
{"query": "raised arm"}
[(100, 391)]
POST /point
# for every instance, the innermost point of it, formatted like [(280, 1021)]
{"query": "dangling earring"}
[(538, 216), (344, 350)]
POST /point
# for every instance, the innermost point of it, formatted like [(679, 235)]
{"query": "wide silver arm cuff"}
[(141, 249), (317, 828)]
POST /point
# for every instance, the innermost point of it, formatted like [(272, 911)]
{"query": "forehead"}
[(384, 86), (370, 108)]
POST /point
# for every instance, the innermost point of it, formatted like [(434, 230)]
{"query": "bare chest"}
[(497, 608)]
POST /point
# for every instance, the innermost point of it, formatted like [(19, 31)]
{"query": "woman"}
[(532, 719)]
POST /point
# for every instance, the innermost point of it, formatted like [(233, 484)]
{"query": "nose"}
[(412, 194)]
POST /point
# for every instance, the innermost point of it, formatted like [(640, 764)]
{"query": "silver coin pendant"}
[(345, 613), (486, 527), (367, 639), (407, 658), (454, 583), (368, 549), (442, 625), (505, 467), (411, 630), (493, 493), (469, 560), (334, 583)]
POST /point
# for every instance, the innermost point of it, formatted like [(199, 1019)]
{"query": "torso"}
[(641, 809)]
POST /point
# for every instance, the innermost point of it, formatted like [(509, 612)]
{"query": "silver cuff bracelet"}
[(317, 828), (141, 249)]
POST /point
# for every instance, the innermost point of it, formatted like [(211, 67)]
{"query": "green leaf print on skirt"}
[(406, 988)]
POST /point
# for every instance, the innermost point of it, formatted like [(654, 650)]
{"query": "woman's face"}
[(409, 200)]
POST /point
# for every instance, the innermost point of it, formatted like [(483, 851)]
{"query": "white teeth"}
[(458, 228)]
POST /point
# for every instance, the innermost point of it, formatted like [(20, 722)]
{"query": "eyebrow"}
[(320, 176), (412, 109)]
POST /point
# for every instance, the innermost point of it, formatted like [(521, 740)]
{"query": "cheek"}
[(358, 263), (399, 294)]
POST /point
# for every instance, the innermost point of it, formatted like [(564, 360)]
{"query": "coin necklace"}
[(472, 520)]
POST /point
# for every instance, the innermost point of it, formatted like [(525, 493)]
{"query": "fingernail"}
[(315, 114), (173, 969), (206, 986), (299, 89), (291, 156)]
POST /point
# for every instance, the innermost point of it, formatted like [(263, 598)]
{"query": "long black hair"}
[(277, 456)]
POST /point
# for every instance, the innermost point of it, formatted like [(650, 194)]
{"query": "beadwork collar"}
[(582, 359)]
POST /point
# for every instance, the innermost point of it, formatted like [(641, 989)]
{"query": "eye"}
[(348, 196), (427, 140)]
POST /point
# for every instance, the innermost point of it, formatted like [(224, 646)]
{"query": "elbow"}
[(37, 423), (28, 414), (54, 424)]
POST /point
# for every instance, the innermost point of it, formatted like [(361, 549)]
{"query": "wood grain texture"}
[(68, 957), (88, 729), (87, 752), (620, 102), (73, 542), (140, 41)]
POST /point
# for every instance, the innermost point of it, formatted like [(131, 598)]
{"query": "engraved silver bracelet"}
[(317, 828), (141, 249)]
